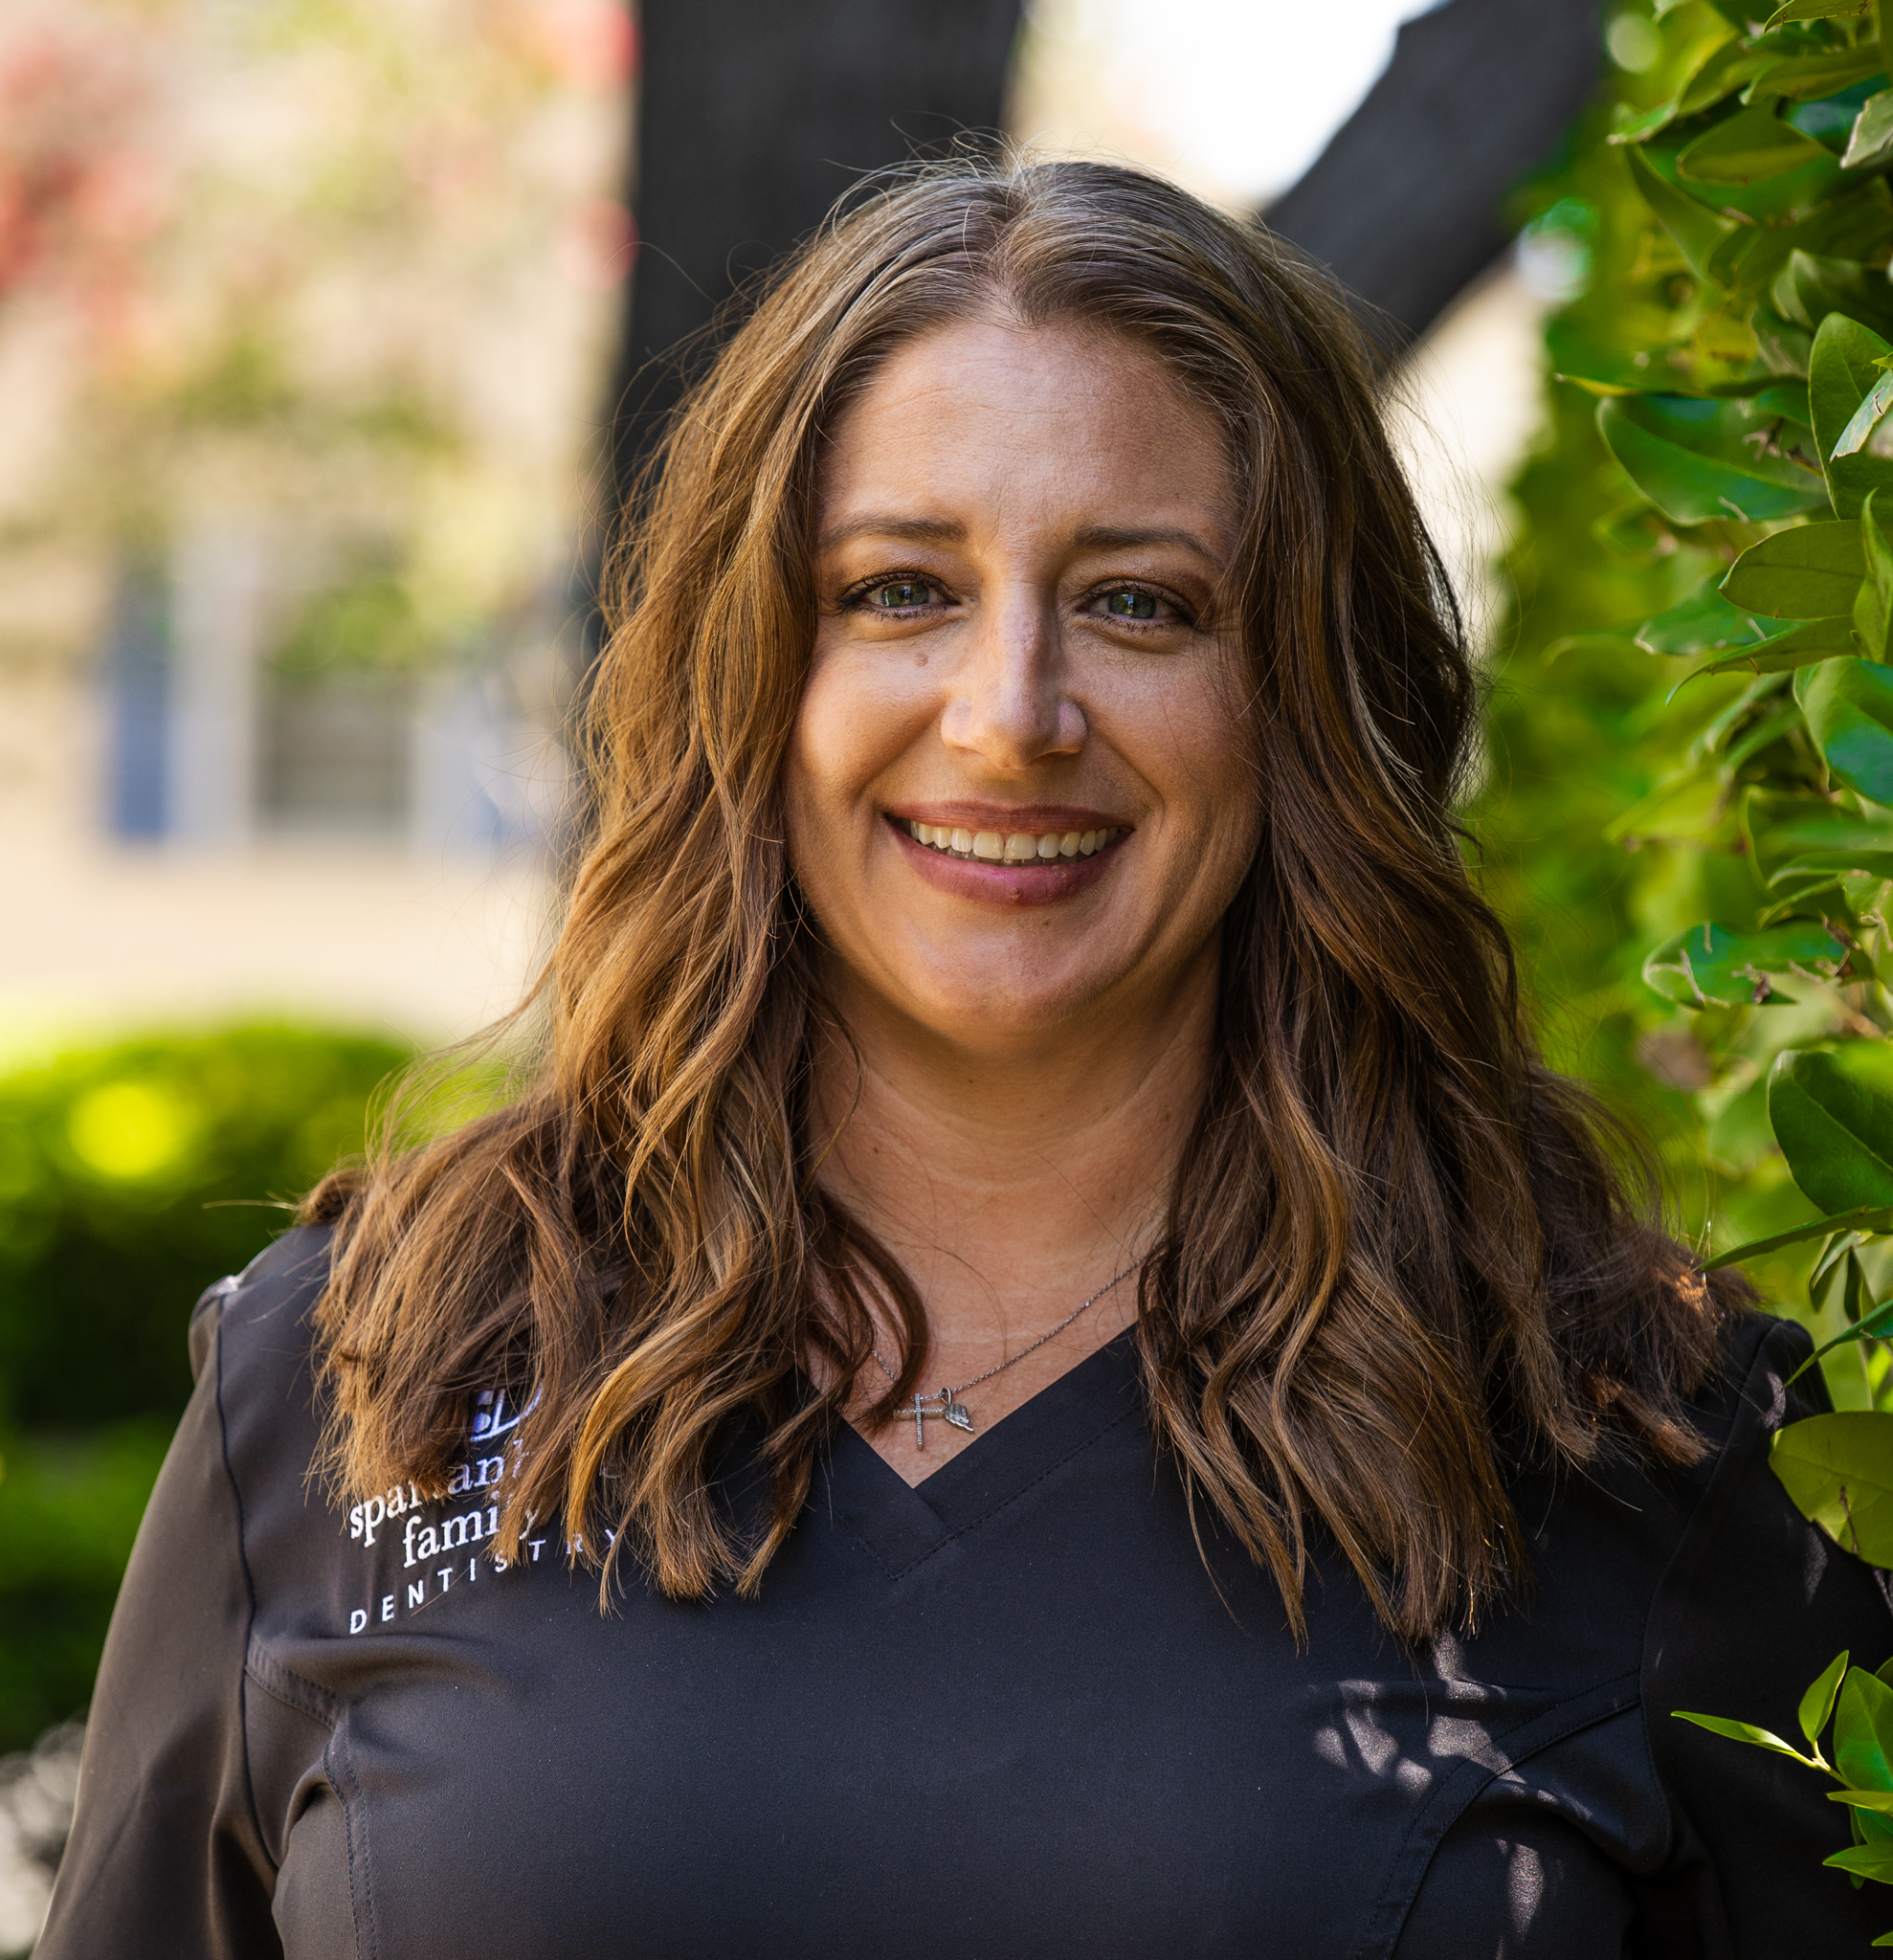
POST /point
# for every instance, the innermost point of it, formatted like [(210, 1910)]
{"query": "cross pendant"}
[(950, 1409)]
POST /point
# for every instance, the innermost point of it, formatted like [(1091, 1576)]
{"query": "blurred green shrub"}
[(131, 1176)]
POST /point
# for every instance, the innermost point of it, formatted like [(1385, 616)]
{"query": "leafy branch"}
[(1750, 406), (1861, 1707)]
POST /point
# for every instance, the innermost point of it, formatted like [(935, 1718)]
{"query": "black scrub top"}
[(1004, 1714)]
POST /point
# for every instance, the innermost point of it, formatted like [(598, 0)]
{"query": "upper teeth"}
[(1010, 847)]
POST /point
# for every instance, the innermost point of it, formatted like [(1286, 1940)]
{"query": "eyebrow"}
[(915, 531), (1109, 537), (923, 530)]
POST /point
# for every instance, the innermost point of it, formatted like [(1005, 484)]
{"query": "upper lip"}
[(999, 816)]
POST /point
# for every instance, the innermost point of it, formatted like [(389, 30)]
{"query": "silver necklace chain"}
[(951, 1408)]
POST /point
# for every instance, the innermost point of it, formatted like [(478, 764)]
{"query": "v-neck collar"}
[(903, 1523)]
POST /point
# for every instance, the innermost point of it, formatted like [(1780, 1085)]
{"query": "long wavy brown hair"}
[(1399, 1255)]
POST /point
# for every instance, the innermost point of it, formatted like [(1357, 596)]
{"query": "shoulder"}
[(1706, 1579), (1749, 1397), (1759, 1389), (1749, 1393), (253, 1350), (1613, 1545), (1746, 1557), (273, 1295)]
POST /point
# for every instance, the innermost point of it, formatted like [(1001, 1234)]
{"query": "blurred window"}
[(334, 754)]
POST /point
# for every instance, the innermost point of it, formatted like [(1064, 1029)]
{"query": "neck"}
[(1013, 1177)]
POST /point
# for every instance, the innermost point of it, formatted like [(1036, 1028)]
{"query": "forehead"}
[(1008, 418)]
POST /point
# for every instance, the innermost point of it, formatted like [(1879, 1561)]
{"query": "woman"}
[(1109, 1403)]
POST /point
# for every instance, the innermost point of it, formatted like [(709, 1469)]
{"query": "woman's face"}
[(1020, 788)]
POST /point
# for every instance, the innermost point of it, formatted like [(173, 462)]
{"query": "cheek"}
[(1192, 744), (847, 730), (823, 748)]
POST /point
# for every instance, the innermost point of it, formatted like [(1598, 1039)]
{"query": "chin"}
[(1002, 1010)]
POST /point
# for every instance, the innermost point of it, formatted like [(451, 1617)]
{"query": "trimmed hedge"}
[(131, 1176)]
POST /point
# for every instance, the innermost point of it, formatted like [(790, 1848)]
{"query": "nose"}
[(1011, 705)]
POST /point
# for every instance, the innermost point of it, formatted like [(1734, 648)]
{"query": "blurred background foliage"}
[(323, 259), (1583, 729)]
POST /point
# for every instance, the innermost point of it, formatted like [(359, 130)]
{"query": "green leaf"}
[(1869, 1822), (1639, 128), (1817, 1703), (1711, 966), (1837, 1266), (1871, 140), (1813, 572), (1865, 419), (1875, 1802), (1803, 76), (1720, 68), (1849, 388), (1786, 400), (1782, 720), (1867, 1861), (1872, 604), (1874, 1327), (1792, 837), (1838, 1244), (1831, 1112), (1839, 1471), (1810, 286), (1864, 1713), (1850, 227), (1729, 65), (1865, 1218), (1696, 460), (1633, 532), (1698, 233), (1742, 147), (1744, 1731), (1703, 622), (1812, 640), (1848, 704), (1819, 9), (1687, 805), (1784, 347), (1769, 213)]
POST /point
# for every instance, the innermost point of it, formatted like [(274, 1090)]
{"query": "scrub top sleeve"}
[(1755, 1603), (164, 1857)]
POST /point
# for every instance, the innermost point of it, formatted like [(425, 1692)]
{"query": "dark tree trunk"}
[(1405, 205), (757, 115)]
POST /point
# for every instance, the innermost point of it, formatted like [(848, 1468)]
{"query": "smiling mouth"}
[(1010, 847)]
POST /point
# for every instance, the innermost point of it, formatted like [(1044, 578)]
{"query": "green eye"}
[(900, 596), (1130, 605)]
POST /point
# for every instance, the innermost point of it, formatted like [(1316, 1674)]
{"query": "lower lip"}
[(1043, 883)]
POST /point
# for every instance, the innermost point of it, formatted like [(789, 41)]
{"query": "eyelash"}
[(1185, 616), (853, 599)]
